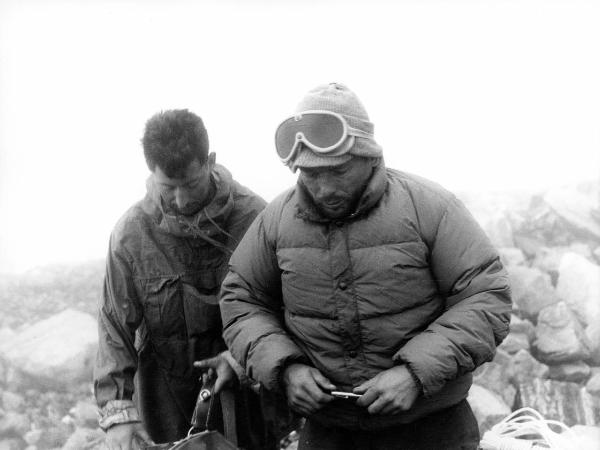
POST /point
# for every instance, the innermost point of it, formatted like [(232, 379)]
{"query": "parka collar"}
[(376, 186), (208, 222)]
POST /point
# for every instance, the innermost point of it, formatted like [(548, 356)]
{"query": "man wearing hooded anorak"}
[(365, 280), (159, 310)]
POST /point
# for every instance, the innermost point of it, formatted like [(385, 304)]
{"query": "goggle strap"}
[(359, 133)]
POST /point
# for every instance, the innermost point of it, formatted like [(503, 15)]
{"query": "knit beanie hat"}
[(337, 98)]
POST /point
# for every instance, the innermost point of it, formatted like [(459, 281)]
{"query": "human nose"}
[(181, 198), (325, 188)]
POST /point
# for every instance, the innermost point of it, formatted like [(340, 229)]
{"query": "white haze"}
[(476, 95)]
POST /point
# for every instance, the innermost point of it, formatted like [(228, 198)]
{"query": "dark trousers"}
[(454, 428)]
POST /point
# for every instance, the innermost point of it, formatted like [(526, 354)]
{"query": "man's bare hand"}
[(388, 392), (127, 436), (306, 388), (219, 367)]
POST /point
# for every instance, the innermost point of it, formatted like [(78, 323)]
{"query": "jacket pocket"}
[(163, 307)]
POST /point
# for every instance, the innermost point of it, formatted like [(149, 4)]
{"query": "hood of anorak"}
[(206, 223)]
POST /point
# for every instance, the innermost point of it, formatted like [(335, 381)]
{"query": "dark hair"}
[(173, 139)]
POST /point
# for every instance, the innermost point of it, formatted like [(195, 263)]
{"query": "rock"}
[(593, 384), (56, 352), (588, 438), (579, 286), (495, 378), (592, 333), (499, 230), (14, 424), (530, 246), (578, 206), (488, 408), (56, 437), (11, 444), (84, 438), (515, 342), (525, 367), (557, 400), (548, 259), (522, 326), (559, 336), (512, 256), (532, 290), (12, 401), (85, 414), (32, 437), (577, 372)]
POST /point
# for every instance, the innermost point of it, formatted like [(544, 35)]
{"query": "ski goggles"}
[(324, 132)]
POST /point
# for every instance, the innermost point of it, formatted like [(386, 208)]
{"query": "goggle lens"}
[(320, 130)]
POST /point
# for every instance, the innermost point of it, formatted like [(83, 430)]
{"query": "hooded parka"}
[(409, 278), (159, 310)]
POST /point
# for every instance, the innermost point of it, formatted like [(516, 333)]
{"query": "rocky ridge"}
[(549, 241)]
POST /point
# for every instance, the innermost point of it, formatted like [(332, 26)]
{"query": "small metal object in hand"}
[(341, 394), (204, 394)]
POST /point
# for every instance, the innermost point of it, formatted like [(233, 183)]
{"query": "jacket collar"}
[(376, 186), (205, 224)]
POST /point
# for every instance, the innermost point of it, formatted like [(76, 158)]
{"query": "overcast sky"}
[(476, 95)]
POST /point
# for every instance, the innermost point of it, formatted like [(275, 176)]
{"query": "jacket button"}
[(343, 285), (352, 353)]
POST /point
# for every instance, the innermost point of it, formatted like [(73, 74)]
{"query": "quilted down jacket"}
[(409, 278)]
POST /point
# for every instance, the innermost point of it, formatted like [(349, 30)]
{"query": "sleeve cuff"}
[(117, 412)]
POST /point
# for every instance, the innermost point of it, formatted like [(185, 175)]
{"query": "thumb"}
[(143, 435)]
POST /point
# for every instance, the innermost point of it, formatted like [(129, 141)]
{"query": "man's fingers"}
[(143, 435), (368, 397), (219, 384), (377, 406), (323, 382), (207, 363)]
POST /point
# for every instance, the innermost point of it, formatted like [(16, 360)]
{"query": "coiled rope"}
[(526, 429)]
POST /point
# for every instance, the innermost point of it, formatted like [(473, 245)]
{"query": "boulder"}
[(579, 286), (499, 229), (495, 378), (557, 400), (488, 407), (85, 414), (512, 256), (14, 424), (548, 259), (32, 437), (11, 444), (560, 337), (56, 352), (593, 384), (525, 367), (592, 333), (576, 372), (85, 438), (522, 332), (515, 342), (12, 401), (532, 290), (578, 206)]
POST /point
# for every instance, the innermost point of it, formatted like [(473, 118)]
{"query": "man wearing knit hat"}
[(366, 294)]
